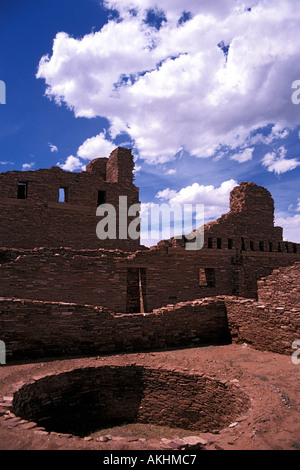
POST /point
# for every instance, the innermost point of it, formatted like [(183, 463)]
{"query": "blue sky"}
[(200, 90)]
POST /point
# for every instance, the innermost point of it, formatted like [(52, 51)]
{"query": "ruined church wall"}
[(54, 208), (176, 275), (66, 275), (100, 277)]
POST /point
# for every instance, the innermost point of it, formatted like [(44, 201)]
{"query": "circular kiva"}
[(85, 400)]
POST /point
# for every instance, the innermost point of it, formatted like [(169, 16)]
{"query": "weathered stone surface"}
[(33, 215)]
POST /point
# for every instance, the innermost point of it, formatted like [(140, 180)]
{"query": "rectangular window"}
[(219, 243), (207, 277), (261, 246), (295, 248), (230, 243), (270, 246), (243, 245), (101, 197), (209, 243), (251, 245), (22, 190), (63, 195)]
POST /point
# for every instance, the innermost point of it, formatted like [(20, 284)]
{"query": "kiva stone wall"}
[(83, 400)]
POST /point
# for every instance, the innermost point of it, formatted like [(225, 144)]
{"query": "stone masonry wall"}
[(265, 326), (66, 275), (114, 395), (102, 277), (45, 329), (33, 215), (176, 275), (41, 329), (282, 287)]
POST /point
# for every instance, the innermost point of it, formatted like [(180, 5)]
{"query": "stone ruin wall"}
[(133, 393), (34, 216), (103, 277), (63, 285), (65, 275), (42, 329)]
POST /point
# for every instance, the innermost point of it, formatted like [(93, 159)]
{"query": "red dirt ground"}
[(271, 381)]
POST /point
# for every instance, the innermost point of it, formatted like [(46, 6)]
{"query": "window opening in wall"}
[(63, 195), (136, 290), (207, 277), (230, 243), (22, 190), (287, 247), (270, 246), (261, 246), (294, 248), (101, 197), (279, 247), (219, 243), (209, 243), (251, 245), (243, 244)]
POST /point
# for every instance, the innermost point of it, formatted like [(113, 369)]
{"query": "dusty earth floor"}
[(272, 382)]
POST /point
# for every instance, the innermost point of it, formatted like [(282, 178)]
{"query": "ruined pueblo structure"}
[(72, 292), (68, 294)]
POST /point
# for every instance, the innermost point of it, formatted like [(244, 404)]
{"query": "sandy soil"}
[(271, 381)]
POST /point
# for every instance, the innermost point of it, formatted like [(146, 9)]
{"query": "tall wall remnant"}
[(53, 208)]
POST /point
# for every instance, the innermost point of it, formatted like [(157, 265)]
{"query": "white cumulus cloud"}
[(197, 85), (71, 164), (95, 147), (276, 161), (214, 199), (27, 166), (291, 227)]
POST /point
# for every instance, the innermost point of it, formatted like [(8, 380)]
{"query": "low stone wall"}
[(263, 325), (84, 400), (35, 329)]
